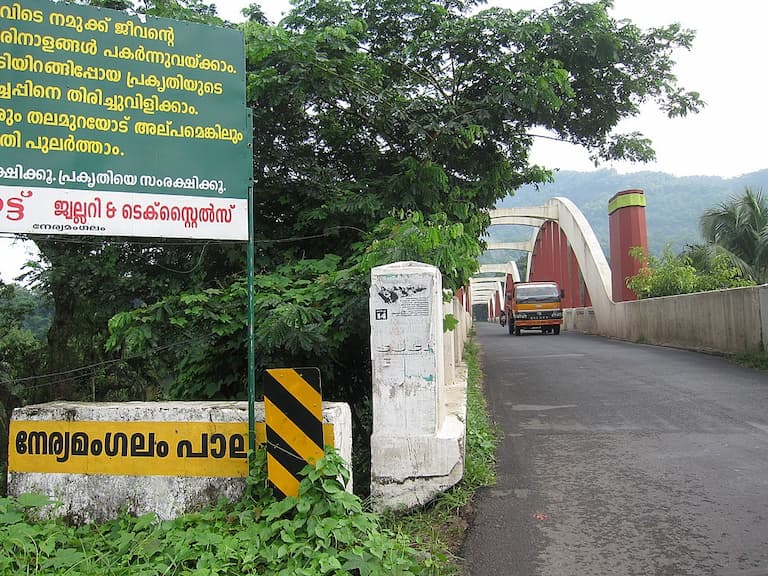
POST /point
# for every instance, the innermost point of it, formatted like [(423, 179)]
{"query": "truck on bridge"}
[(533, 305)]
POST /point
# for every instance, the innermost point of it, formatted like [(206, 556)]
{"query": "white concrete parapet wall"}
[(169, 458), (419, 388), (729, 321)]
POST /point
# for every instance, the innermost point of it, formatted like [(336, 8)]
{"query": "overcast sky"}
[(725, 65)]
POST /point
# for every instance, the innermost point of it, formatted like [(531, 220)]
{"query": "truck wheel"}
[(557, 330)]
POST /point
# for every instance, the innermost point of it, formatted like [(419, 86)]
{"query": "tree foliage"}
[(322, 531), (696, 269), (387, 131), (24, 316), (384, 130), (739, 229)]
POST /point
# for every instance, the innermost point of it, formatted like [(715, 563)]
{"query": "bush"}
[(676, 274), (322, 531)]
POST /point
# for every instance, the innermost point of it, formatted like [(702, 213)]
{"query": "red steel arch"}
[(556, 256), (553, 259)]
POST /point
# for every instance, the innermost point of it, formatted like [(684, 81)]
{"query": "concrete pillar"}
[(449, 348), (406, 310), (417, 447), (626, 220)]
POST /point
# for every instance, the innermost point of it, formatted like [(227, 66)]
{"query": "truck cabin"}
[(537, 293)]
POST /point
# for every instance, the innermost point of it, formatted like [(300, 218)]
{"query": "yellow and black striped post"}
[(293, 413)]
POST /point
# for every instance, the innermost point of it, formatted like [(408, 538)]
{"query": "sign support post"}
[(251, 318), (251, 312)]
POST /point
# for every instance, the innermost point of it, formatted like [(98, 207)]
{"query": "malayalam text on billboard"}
[(116, 125)]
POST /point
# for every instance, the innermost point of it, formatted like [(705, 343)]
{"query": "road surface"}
[(620, 459)]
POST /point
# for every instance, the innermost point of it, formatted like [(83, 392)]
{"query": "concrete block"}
[(418, 467), (419, 388), (407, 348), (73, 452)]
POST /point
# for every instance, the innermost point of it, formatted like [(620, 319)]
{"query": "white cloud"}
[(13, 255)]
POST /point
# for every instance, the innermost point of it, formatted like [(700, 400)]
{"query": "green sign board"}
[(112, 124)]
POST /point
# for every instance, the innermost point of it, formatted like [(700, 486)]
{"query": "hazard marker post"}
[(293, 413)]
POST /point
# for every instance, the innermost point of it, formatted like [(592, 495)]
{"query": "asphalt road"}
[(620, 459)]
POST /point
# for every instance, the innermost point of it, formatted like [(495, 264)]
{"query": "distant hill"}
[(675, 204)]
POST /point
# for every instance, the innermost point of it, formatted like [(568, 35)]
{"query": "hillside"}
[(674, 203)]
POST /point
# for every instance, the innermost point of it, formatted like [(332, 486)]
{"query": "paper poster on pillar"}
[(404, 306), (405, 324)]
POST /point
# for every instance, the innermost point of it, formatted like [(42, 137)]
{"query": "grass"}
[(439, 528), (324, 531), (757, 359)]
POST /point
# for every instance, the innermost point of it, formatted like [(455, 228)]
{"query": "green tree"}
[(383, 130), (23, 315), (388, 130), (88, 281), (739, 229)]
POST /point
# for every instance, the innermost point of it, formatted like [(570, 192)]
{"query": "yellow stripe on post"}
[(328, 434), (304, 446), (281, 478), (299, 388), (626, 200), (293, 413)]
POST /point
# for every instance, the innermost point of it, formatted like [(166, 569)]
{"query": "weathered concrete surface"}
[(419, 387), (98, 497)]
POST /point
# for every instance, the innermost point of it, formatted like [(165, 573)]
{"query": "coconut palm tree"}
[(739, 227)]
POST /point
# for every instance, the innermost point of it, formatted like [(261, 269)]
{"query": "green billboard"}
[(112, 124)]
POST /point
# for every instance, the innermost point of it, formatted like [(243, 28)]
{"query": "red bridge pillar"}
[(543, 262), (626, 221)]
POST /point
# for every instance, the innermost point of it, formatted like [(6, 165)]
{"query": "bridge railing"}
[(729, 321)]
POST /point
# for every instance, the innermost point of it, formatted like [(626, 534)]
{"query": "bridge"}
[(563, 247)]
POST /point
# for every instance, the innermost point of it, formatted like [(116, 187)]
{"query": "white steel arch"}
[(589, 255)]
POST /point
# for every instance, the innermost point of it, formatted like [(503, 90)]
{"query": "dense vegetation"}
[(324, 531), (384, 131), (684, 273), (735, 255)]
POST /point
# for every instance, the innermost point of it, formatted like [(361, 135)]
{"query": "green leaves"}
[(300, 312), (324, 531), (738, 228), (736, 255), (676, 274), (450, 247)]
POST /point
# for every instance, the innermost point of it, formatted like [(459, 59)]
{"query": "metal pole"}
[(251, 345), (251, 314)]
